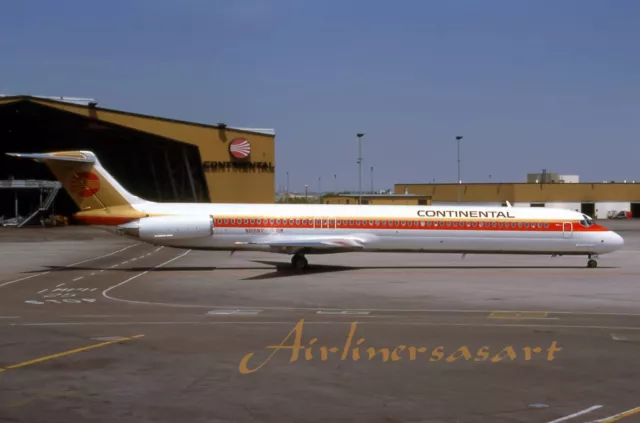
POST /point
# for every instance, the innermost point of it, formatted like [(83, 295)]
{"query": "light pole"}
[(305, 192), (458, 138), (286, 198), (335, 183), (319, 185), (360, 135), (371, 179)]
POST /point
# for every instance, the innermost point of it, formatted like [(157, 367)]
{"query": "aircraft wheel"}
[(592, 263), (299, 262)]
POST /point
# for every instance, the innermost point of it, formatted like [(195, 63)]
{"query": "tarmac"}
[(99, 328)]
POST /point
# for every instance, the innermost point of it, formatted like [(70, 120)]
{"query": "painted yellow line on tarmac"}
[(64, 353), (519, 315), (617, 416)]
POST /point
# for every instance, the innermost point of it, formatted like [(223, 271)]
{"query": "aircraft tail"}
[(85, 180)]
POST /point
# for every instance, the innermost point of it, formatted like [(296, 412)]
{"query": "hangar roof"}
[(91, 103)]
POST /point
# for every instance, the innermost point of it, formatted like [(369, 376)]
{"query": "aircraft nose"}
[(614, 241)]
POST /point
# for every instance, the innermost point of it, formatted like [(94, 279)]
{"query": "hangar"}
[(156, 158)]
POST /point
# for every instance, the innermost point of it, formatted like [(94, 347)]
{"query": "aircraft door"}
[(567, 230)]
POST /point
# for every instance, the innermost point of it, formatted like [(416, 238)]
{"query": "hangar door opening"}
[(147, 165), (589, 209), (635, 210)]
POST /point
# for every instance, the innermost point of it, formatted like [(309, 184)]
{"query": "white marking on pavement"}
[(579, 413), (9, 317), (234, 312), (64, 267), (60, 285), (92, 274), (44, 290), (104, 293), (342, 312), (77, 279)]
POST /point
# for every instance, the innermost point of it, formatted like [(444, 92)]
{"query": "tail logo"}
[(85, 184), (240, 148)]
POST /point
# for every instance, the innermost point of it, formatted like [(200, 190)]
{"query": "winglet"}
[(508, 204)]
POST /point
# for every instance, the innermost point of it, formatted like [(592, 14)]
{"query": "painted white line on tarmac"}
[(77, 279), (104, 293), (69, 265), (234, 312), (579, 413)]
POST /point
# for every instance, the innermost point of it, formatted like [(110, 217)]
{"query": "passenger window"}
[(493, 224), (526, 225), (500, 224), (428, 223), (277, 221)]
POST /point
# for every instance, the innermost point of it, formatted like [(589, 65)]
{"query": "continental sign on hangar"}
[(156, 158)]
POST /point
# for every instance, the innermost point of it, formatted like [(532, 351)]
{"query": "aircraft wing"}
[(293, 243)]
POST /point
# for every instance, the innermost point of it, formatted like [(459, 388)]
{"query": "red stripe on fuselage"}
[(377, 224)]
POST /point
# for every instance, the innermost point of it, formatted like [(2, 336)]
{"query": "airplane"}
[(304, 229)]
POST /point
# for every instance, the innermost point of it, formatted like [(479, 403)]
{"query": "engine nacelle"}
[(165, 228)]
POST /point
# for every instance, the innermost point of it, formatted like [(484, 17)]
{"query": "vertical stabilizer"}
[(85, 180)]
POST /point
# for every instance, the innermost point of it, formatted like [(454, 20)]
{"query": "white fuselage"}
[(508, 230)]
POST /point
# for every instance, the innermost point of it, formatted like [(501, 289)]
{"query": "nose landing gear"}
[(592, 262)]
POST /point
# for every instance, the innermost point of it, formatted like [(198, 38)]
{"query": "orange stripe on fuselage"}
[(104, 220)]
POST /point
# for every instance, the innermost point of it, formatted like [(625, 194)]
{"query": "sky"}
[(529, 84)]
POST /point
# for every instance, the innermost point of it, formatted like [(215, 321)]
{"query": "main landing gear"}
[(592, 262), (299, 262)]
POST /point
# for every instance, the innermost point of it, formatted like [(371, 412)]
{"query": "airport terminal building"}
[(155, 158), (599, 200)]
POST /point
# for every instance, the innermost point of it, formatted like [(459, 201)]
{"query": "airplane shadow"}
[(284, 269)]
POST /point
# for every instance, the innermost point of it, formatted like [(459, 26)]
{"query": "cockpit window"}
[(586, 221)]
